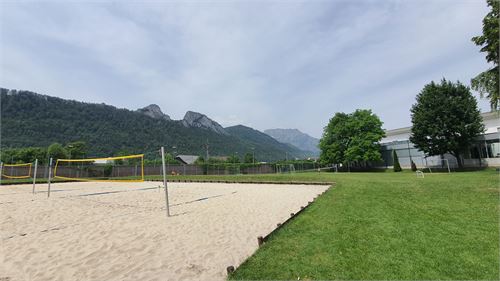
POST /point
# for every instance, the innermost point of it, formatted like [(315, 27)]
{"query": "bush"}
[(397, 166), (108, 170)]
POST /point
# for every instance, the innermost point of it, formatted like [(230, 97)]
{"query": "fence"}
[(203, 169)]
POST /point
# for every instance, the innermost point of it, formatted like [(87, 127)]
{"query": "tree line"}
[(79, 150)]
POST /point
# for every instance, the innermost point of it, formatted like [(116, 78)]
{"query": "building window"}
[(493, 149)]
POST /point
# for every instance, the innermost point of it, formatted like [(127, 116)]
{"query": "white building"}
[(485, 152)]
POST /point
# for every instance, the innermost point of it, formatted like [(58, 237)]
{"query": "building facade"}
[(484, 152)]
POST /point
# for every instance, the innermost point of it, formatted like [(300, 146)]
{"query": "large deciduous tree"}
[(335, 139), (445, 119), (352, 138), (487, 82), (57, 151)]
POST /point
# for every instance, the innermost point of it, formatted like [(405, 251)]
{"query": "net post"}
[(142, 167), (1, 172), (50, 172), (34, 175), (165, 179)]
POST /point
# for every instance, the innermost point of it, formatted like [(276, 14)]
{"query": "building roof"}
[(187, 159), (398, 131), (491, 120), (492, 115)]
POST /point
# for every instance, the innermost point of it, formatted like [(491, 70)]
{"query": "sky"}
[(263, 64)]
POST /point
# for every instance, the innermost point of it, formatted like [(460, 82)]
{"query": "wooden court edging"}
[(249, 182), (41, 182), (197, 180)]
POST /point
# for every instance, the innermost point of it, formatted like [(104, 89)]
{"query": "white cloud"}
[(265, 64)]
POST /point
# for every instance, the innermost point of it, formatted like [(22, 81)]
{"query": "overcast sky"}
[(264, 64)]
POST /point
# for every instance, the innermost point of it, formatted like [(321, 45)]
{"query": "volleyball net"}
[(17, 171), (128, 168)]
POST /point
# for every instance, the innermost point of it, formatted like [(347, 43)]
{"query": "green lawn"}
[(387, 226)]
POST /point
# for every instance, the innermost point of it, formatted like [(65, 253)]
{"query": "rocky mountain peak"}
[(198, 120), (154, 111)]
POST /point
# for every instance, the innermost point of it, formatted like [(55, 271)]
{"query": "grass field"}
[(389, 226)]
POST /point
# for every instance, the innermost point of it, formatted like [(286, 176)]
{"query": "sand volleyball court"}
[(119, 231)]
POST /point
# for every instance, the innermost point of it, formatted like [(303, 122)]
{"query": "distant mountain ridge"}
[(255, 138), (31, 119), (296, 138)]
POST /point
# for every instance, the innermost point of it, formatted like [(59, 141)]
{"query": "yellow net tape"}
[(28, 165), (101, 160)]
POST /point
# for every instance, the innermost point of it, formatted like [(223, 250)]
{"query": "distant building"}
[(484, 152), (187, 159)]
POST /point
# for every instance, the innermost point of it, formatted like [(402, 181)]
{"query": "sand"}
[(119, 231)]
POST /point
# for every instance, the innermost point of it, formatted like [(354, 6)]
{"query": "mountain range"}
[(296, 138), (31, 119)]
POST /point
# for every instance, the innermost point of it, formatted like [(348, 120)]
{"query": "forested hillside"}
[(30, 119)]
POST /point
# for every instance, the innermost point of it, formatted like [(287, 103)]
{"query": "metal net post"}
[(50, 172), (34, 175), (165, 180)]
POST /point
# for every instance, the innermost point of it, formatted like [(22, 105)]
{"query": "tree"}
[(170, 159), (23, 155), (352, 138), (445, 119), (56, 151), (487, 82), (335, 139), (233, 159), (396, 166), (213, 160), (248, 158), (200, 160), (76, 150), (29, 154)]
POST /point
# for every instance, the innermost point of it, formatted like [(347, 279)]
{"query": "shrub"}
[(413, 166), (397, 166)]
